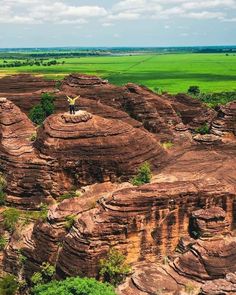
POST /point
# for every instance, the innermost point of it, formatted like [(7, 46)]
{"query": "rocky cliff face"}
[(204, 264), (143, 223), (226, 120)]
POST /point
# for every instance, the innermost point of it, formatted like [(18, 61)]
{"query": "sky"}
[(106, 23)]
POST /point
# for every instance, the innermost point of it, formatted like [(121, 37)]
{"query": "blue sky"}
[(44, 23)]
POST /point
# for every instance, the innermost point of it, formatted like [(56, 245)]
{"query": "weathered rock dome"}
[(97, 149)]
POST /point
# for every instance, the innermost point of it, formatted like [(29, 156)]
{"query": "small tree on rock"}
[(194, 90)]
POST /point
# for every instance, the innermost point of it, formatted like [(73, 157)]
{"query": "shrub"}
[(204, 129), (3, 184), (113, 269), (10, 219), (33, 137), (2, 198), (143, 176), (3, 242), (8, 285), (45, 275), (43, 214), (71, 286), (70, 221), (69, 195), (194, 90), (37, 279), (167, 145)]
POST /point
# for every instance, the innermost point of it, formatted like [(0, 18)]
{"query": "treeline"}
[(30, 62)]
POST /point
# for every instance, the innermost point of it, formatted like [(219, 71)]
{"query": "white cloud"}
[(61, 12)]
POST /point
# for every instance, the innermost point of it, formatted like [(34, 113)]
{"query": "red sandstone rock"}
[(226, 120), (143, 223), (99, 149)]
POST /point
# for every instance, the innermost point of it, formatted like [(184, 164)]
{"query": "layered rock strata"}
[(226, 120), (143, 223), (92, 148)]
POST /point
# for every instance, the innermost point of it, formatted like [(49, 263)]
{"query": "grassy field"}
[(168, 72)]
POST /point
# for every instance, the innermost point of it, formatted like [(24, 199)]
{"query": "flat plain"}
[(164, 72)]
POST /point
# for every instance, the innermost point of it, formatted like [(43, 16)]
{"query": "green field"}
[(167, 72)]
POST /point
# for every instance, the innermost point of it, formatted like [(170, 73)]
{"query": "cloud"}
[(65, 12), (35, 12)]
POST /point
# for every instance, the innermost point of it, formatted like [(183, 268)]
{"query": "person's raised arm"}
[(68, 98), (77, 97)]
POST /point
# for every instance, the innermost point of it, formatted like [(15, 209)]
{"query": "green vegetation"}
[(45, 275), (43, 213), (144, 175), (167, 145), (70, 195), (113, 269), (8, 285), (194, 90), (204, 129), (212, 72), (70, 221), (74, 286), (3, 242), (41, 111), (3, 184), (215, 99), (10, 219)]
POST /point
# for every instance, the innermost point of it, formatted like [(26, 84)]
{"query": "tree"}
[(41, 111), (8, 285), (37, 114), (143, 176), (72, 286), (194, 90), (113, 269)]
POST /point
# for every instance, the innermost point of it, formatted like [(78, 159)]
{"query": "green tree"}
[(41, 111), (72, 286), (37, 114), (8, 285), (113, 269), (143, 176), (194, 90), (10, 219)]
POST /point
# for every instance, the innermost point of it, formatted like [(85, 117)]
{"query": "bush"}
[(3, 242), (113, 269), (45, 275), (72, 286), (204, 129), (43, 214), (8, 285), (3, 184), (41, 111), (143, 176), (10, 219), (69, 195), (70, 221), (167, 145), (194, 90)]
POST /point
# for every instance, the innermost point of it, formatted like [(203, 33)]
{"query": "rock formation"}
[(69, 150), (114, 131), (143, 223), (226, 120)]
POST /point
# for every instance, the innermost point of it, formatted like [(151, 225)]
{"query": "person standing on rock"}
[(72, 103)]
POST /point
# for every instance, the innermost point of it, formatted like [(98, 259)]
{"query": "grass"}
[(167, 72)]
